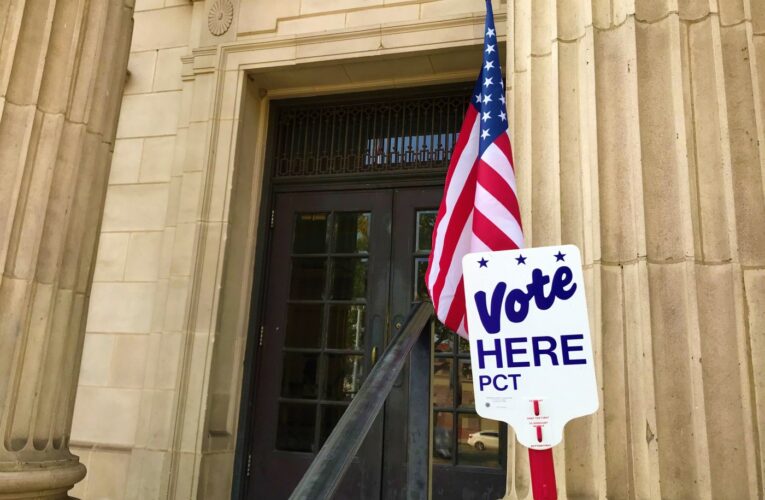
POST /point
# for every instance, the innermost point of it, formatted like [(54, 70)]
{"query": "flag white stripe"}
[(456, 185), (477, 244), (495, 211), (496, 159)]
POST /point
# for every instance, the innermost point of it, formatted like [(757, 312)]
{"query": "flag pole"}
[(480, 211), (542, 467)]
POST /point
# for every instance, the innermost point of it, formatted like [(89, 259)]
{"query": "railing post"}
[(420, 413)]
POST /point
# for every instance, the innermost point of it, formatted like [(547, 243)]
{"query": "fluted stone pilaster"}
[(649, 147), (62, 67)]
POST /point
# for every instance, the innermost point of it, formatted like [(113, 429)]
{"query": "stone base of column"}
[(41, 481)]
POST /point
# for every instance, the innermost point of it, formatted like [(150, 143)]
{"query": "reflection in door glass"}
[(420, 268), (344, 376), (352, 232), (349, 278), (478, 441), (443, 437), (346, 326), (443, 394), (426, 220), (465, 388), (442, 339)]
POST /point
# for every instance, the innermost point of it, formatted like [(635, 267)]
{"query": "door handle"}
[(374, 355), (398, 322)]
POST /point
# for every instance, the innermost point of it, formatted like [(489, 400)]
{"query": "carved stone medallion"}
[(220, 16)]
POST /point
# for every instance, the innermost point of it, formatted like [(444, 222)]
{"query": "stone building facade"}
[(639, 135)]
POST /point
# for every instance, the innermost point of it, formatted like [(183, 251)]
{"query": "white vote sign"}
[(530, 346)]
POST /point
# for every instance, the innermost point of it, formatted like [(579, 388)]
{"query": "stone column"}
[(639, 136), (62, 69)]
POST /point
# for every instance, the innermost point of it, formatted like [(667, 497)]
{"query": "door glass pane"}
[(299, 375), (344, 376), (349, 278), (425, 222), (310, 233), (352, 232), (442, 383), (442, 338), (330, 415), (295, 431), (308, 276), (478, 441), (346, 327), (443, 437), (465, 394), (420, 268), (464, 345), (304, 323)]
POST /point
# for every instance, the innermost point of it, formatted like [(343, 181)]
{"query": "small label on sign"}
[(530, 346)]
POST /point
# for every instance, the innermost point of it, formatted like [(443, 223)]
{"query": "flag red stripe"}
[(494, 183), (503, 143), (457, 222), (462, 141), (457, 310), (491, 234)]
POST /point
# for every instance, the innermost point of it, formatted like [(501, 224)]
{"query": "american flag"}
[(479, 210)]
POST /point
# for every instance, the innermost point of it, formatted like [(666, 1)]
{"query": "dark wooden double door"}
[(344, 269)]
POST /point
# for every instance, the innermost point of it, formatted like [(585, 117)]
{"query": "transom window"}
[(330, 139)]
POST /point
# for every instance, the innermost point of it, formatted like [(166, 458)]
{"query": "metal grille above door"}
[(397, 133)]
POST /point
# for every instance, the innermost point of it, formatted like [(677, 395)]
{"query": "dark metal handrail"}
[(324, 475)]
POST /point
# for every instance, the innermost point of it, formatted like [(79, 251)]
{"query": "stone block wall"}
[(123, 418)]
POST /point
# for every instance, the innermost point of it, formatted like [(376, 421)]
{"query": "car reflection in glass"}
[(484, 440)]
